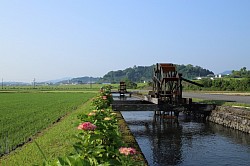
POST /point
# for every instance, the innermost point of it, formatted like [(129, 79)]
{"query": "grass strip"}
[(54, 141)]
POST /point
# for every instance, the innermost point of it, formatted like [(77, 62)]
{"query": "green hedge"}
[(221, 84)]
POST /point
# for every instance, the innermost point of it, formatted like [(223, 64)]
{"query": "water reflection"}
[(188, 142)]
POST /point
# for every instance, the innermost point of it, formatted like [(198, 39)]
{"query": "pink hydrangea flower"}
[(104, 97), (127, 151), (86, 126)]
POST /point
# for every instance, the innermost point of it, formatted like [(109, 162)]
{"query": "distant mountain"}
[(58, 80), (15, 83), (80, 80), (226, 72), (65, 80), (134, 74)]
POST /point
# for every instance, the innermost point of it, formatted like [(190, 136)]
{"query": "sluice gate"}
[(165, 96)]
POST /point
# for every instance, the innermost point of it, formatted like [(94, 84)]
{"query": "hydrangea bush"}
[(99, 140)]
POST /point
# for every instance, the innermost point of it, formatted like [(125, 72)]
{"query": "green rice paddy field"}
[(25, 114)]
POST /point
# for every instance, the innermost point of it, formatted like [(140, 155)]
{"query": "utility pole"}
[(34, 83), (2, 83), (90, 84)]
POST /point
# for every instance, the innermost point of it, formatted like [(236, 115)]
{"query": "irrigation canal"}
[(188, 142)]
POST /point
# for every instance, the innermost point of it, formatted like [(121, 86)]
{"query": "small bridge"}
[(165, 98)]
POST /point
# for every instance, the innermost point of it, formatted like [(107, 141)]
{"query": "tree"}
[(130, 84)]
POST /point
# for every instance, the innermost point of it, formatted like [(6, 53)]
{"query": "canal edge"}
[(231, 117), (129, 138)]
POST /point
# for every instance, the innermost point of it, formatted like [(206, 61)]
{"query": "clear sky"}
[(50, 39)]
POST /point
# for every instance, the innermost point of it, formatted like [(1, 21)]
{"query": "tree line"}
[(242, 73), (239, 80), (221, 84)]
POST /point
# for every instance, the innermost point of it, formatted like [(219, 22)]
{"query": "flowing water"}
[(188, 142)]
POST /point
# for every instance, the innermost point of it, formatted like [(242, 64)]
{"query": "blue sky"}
[(46, 39)]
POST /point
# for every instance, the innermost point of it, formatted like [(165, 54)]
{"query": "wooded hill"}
[(145, 73)]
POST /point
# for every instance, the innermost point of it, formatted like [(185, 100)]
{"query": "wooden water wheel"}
[(167, 83)]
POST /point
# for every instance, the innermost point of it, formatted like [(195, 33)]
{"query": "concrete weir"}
[(146, 103), (133, 105)]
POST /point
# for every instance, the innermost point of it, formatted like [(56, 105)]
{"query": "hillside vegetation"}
[(145, 73)]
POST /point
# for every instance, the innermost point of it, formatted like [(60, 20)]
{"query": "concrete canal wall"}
[(236, 118)]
